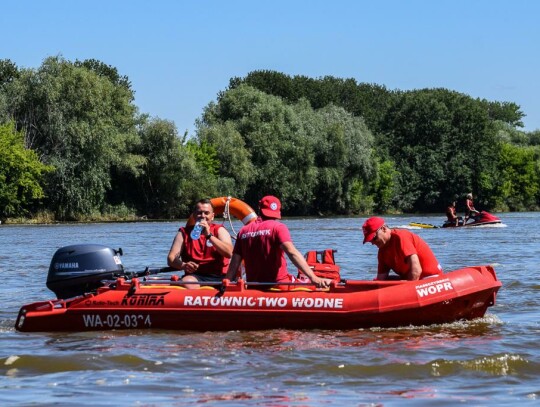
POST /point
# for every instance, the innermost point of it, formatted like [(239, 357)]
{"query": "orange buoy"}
[(226, 205)]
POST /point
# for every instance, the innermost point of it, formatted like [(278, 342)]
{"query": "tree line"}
[(74, 146)]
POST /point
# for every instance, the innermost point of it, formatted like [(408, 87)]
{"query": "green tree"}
[(506, 112), (275, 138), (78, 121), (173, 176), (21, 174), (534, 138), (518, 181), (385, 186), (205, 154), (443, 145), (295, 152), (369, 101), (8, 71), (235, 170), (107, 71), (343, 157)]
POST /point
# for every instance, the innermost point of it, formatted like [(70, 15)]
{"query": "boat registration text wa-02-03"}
[(117, 321)]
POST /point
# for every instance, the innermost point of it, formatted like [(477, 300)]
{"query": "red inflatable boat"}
[(95, 293)]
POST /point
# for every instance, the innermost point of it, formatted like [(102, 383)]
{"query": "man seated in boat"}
[(400, 250), (206, 258), (263, 244), (452, 218), (470, 211)]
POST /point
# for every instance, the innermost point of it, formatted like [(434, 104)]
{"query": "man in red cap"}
[(400, 250), (263, 244)]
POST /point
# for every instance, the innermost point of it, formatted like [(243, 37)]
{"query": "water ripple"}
[(494, 360)]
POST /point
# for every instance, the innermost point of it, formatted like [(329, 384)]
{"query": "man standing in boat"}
[(400, 250), (263, 244), (206, 257)]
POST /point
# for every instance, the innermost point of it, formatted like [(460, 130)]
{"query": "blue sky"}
[(180, 54)]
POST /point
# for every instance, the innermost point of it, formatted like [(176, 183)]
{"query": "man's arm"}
[(223, 243), (232, 271), (298, 260), (173, 259), (415, 268), (382, 271)]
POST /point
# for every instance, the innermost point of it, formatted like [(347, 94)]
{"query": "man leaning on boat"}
[(263, 244), (400, 250)]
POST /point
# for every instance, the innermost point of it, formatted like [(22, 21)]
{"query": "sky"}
[(179, 54)]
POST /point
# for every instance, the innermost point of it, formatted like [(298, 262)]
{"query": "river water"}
[(487, 362)]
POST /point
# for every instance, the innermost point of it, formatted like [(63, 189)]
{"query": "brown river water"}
[(490, 361)]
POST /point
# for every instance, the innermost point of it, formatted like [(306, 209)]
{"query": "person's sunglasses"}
[(375, 235)]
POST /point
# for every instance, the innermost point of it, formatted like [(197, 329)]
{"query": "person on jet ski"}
[(470, 211), (453, 219)]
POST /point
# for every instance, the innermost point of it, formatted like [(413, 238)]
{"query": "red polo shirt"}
[(259, 244), (401, 245)]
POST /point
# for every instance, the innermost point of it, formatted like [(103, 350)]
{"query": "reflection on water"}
[(494, 360)]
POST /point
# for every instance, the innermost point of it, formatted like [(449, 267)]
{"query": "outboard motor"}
[(79, 269)]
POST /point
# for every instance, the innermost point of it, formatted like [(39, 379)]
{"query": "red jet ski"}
[(483, 218)]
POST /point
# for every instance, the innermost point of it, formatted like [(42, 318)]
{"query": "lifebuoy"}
[(239, 209)]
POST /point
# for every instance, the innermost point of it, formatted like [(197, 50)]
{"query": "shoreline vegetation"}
[(75, 147), (92, 219), (49, 220)]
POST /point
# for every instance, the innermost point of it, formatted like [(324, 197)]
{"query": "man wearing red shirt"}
[(400, 250), (263, 244)]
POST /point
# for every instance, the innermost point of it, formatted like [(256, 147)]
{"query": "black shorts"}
[(207, 278)]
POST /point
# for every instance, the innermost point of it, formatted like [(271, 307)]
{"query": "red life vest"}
[(323, 264)]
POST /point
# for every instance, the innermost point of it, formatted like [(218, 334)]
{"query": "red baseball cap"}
[(370, 227), (270, 207)]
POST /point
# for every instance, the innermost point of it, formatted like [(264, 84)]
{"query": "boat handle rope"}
[(227, 216)]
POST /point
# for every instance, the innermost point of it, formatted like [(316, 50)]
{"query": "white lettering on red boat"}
[(434, 287), (190, 301), (262, 302), (272, 302), (317, 302), (116, 321)]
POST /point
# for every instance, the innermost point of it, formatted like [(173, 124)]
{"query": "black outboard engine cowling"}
[(80, 269)]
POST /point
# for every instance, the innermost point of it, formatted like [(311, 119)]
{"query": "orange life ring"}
[(239, 209)]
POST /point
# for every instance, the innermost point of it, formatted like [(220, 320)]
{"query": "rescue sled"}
[(482, 219), (94, 292)]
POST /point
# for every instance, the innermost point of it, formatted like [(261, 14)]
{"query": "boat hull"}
[(462, 294)]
